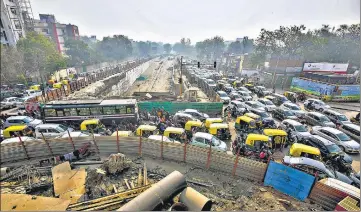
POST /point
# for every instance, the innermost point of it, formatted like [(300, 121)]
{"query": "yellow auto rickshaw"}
[(92, 125), (57, 85), (35, 87), (278, 137), (65, 82), (245, 123), (18, 130), (302, 150), (220, 130), (255, 117), (146, 130), (292, 96), (210, 121), (249, 86), (175, 134), (123, 133), (255, 141), (191, 126)]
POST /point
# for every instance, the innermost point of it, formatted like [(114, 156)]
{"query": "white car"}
[(16, 140), (245, 90), (336, 136), (299, 130), (224, 97), (205, 139), (51, 130), (9, 102), (267, 103), (318, 104), (22, 120), (165, 139), (195, 113), (255, 105), (245, 95), (76, 134), (294, 108)]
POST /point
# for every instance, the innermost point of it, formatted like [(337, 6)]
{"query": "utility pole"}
[(181, 79), (274, 73)]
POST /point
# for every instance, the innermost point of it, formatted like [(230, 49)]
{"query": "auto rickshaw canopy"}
[(298, 150), (35, 87), (65, 82), (190, 124), (251, 138), (253, 116), (145, 128), (123, 133), (274, 132), (242, 121), (213, 128), (84, 125), (57, 85), (13, 129), (210, 121), (173, 130)]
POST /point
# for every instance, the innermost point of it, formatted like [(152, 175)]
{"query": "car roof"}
[(47, 125), (16, 117), (11, 97), (236, 102), (265, 99), (353, 126), (16, 139), (191, 110), (317, 100), (292, 122), (316, 114), (221, 92), (323, 140), (306, 161), (252, 102), (290, 103), (333, 112), (331, 130), (203, 135)]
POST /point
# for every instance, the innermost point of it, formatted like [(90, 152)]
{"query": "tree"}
[(235, 48), (117, 47), (80, 53), (40, 55), (183, 47), (167, 48), (12, 65)]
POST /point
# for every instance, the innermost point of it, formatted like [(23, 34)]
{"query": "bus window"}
[(120, 110), (109, 110), (50, 113), (130, 109), (83, 111), (60, 112), (96, 111), (70, 112)]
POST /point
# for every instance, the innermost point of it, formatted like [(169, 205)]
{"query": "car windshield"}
[(301, 128), (343, 137), (61, 128), (20, 100), (294, 107), (268, 102), (222, 94), (28, 119), (320, 102), (216, 141), (262, 88), (342, 118), (333, 148), (329, 173), (283, 98), (236, 95), (324, 119), (264, 115), (288, 113)]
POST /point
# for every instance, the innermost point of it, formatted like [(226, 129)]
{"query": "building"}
[(15, 19), (48, 26)]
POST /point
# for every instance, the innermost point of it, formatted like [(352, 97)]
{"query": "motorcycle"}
[(338, 163), (301, 97)]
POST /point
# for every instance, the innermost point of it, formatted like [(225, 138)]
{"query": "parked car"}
[(51, 130), (16, 140), (245, 95), (326, 147), (312, 166), (237, 108), (224, 97), (165, 139), (195, 113), (279, 99), (318, 119), (351, 130), (336, 136), (318, 105), (76, 134), (282, 114), (336, 117), (22, 120), (261, 91), (262, 113), (294, 108), (205, 139), (254, 105), (235, 96), (267, 103), (9, 102), (299, 130), (229, 89)]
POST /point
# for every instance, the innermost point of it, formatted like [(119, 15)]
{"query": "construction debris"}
[(116, 163), (24, 202)]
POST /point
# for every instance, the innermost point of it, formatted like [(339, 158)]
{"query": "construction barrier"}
[(211, 108)]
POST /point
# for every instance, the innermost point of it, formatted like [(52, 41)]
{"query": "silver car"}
[(9, 102), (318, 119), (294, 108), (245, 95), (336, 117), (267, 103), (255, 105), (336, 136), (22, 120), (205, 139), (299, 130), (351, 130)]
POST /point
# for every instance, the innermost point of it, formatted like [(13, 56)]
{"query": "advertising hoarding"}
[(339, 68)]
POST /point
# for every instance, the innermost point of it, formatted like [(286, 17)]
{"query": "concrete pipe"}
[(156, 195), (178, 206), (4, 170), (194, 200)]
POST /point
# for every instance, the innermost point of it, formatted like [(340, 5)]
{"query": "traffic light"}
[(199, 65), (215, 64), (179, 80)]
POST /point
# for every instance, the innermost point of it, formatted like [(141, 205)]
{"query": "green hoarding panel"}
[(173, 107)]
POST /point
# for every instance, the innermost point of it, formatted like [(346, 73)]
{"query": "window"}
[(60, 112), (343, 137), (200, 140), (121, 109), (300, 128), (13, 10), (70, 112), (40, 130), (61, 128), (342, 118), (109, 110), (50, 113), (46, 31), (96, 111), (83, 111), (17, 24), (52, 131)]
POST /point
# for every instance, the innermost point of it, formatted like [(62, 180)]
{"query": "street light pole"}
[(181, 79)]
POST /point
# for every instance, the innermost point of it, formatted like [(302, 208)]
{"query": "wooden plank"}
[(24, 202)]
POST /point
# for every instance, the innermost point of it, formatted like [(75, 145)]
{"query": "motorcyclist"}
[(310, 105)]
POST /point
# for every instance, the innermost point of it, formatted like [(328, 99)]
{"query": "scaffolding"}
[(27, 14)]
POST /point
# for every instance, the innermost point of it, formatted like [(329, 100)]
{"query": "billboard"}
[(339, 68)]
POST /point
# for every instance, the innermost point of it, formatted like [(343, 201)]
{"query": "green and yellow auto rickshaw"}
[(146, 130), (245, 124), (220, 130)]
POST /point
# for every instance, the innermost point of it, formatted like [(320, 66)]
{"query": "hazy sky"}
[(170, 20)]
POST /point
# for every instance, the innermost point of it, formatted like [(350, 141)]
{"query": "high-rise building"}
[(16, 19), (48, 26)]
